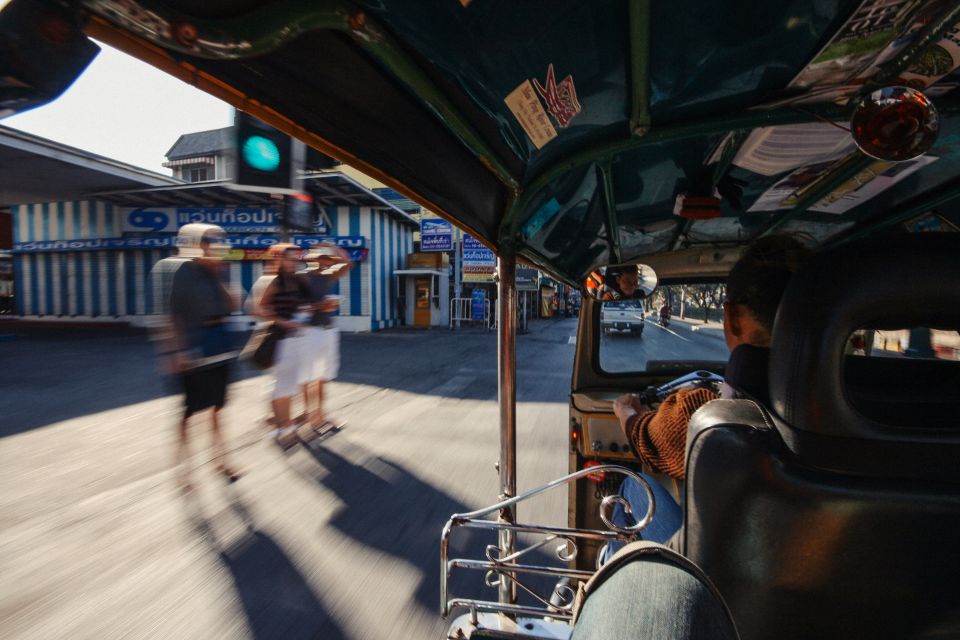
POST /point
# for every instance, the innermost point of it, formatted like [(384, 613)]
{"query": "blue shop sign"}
[(232, 219), (471, 243), (436, 235), (255, 241), (477, 304)]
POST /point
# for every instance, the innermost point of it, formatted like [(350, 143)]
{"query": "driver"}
[(622, 283), (659, 437)]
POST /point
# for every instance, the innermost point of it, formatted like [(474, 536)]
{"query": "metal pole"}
[(507, 383), (284, 229), (456, 272)]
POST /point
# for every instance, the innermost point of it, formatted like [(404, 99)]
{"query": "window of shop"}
[(197, 175)]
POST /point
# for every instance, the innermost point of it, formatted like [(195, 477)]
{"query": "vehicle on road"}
[(622, 316), (573, 136)]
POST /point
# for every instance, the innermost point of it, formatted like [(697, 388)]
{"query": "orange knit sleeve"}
[(659, 438)]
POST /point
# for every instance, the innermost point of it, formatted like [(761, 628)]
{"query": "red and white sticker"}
[(561, 97), (561, 103)]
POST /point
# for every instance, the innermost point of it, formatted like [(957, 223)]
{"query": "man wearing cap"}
[(328, 264), (191, 334), (622, 283), (658, 436)]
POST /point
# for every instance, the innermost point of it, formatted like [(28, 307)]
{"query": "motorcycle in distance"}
[(663, 316)]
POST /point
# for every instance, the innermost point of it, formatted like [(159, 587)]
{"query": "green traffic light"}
[(261, 153)]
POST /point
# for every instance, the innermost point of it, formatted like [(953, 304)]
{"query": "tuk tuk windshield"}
[(677, 323)]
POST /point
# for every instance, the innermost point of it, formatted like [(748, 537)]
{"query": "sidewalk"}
[(713, 329)]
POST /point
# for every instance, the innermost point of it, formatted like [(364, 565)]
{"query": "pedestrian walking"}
[(286, 304), (192, 335), (328, 264)]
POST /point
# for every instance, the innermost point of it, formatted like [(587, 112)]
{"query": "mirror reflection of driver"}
[(622, 283), (659, 436)]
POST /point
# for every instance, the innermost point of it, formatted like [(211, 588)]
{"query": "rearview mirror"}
[(42, 51), (621, 282)]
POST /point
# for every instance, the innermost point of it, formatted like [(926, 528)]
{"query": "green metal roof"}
[(564, 130)]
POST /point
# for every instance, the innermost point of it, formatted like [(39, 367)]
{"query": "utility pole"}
[(456, 275)]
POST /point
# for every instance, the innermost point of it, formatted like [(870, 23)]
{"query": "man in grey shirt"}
[(192, 336)]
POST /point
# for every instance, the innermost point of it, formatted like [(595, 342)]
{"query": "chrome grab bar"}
[(498, 568)]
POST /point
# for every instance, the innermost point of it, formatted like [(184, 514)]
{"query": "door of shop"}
[(421, 313)]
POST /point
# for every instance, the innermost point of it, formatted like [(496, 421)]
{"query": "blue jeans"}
[(667, 516), (653, 599)]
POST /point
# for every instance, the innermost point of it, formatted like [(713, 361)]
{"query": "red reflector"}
[(696, 207), (598, 476)]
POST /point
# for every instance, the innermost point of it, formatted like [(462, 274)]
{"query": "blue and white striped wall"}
[(115, 284), (89, 284), (369, 294)]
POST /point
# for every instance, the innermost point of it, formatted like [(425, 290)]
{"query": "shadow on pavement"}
[(47, 379), (277, 600), (51, 376), (392, 510)]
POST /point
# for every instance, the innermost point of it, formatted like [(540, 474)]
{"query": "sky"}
[(126, 110)]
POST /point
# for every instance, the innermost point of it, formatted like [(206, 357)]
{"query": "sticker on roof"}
[(560, 99), (528, 111)]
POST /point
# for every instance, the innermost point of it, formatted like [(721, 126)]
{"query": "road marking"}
[(670, 332)]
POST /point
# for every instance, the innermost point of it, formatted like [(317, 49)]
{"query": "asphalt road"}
[(678, 341), (338, 540)]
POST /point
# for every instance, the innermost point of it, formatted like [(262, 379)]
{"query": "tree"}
[(707, 297)]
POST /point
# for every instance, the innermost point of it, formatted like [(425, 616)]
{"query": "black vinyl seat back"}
[(746, 372), (835, 511), (825, 406)]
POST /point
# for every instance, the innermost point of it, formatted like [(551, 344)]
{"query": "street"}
[(338, 540), (680, 340)]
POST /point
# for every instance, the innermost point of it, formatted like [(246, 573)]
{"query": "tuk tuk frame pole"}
[(507, 396), (639, 20)]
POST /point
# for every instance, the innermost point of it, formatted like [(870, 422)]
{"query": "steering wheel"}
[(694, 380)]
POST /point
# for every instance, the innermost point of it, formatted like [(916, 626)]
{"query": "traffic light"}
[(299, 212), (263, 156)]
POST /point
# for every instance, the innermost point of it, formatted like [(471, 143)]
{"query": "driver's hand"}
[(639, 405), (628, 405), (623, 407)]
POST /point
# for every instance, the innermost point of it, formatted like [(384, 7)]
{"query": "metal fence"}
[(461, 313)]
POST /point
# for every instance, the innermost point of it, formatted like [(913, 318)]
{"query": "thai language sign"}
[(436, 235), (232, 219), (479, 263), (355, 245)]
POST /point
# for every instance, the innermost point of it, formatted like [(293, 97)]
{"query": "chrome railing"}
[(558, 604)]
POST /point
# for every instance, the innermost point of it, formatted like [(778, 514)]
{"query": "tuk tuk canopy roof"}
[(565, 131)]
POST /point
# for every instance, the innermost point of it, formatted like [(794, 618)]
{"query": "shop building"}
[(83, 249)]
